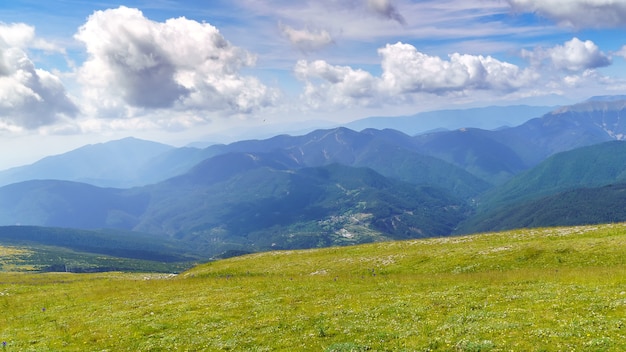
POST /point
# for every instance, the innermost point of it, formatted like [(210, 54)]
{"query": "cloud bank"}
[(405, 73), (407, 70)]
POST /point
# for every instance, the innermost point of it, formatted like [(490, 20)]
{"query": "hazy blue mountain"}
[(606, 98), (112, 164), (488, 118), (498, 155), (493, 156), (171, 163), (339, 186), (131, 162), (224, 166), (567, 128), (70, 204)]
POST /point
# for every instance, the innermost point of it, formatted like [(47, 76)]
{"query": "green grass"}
[(561, 289), (34, 257)]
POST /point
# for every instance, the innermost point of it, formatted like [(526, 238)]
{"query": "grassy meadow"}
[(556, 289)]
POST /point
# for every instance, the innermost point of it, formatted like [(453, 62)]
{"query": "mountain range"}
[(335, 186), (488, 118)]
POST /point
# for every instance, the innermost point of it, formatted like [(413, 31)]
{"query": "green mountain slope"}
[(246, 201), (591, 166), (408, 166), (113, 243), (264, 208), (62, 249), (574, 207)]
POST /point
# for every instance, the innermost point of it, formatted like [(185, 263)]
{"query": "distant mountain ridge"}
[(116, 163), (337, 186), (526, 145), (145, 162), (489, 118), (131, 162)]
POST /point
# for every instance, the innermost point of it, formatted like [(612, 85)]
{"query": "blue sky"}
[(75, 72)]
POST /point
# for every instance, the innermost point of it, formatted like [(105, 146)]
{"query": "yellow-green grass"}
[(13, 259), (41, 258), (561, 289)]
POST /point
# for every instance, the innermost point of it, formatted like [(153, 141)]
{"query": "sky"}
[(76, 72)]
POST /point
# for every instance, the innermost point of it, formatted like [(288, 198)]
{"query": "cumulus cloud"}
[(577, 13), (573, 55), (21, 35), (29, 97), (406, 71), (137, 63), (386, 9), (18, 35), (576, 55), (307, 40), (336, 85)]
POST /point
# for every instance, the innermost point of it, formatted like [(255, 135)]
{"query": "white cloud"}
[(590, 82), (406, 72), (137, 65), (577, 13), (18, 35), (307, 40), (29, 97), (335, 85), (573, 55), (576, 55)]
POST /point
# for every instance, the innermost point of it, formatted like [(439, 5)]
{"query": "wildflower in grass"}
[(4, 344)]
